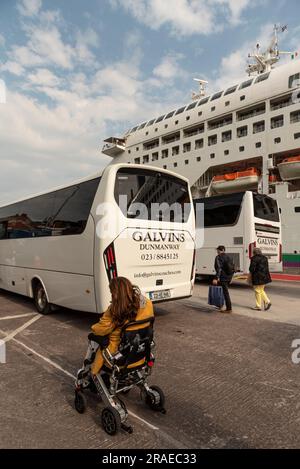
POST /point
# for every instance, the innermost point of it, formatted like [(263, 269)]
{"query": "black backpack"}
[(228, 266)]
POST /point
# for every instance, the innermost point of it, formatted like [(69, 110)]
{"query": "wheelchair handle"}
[(151, 319)]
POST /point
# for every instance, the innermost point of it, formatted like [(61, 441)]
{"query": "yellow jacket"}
[(106, 327)]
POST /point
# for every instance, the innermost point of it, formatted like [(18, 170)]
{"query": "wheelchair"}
[(119, 375)]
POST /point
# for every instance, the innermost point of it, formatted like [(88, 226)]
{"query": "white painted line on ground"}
[(58, 367), (55, 365), (142, 420), (18, 316), (10, 336)]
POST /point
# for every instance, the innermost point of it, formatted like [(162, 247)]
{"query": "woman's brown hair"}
[(125, 300)]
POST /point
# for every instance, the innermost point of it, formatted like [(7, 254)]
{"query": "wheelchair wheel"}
[(155, 399), (80, 402), (111, 420)]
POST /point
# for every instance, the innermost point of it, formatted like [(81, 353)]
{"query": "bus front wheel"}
[(40, 299)]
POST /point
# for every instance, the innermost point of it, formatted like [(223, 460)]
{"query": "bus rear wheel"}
[(40, 299)]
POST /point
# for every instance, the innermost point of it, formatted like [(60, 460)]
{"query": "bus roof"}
[(90, 177)]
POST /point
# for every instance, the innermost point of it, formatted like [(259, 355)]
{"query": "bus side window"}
[(72, 207)]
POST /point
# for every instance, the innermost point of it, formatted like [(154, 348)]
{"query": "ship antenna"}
[(202, 89), (263, 62)]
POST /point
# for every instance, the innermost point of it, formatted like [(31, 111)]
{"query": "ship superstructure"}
[(245, 137)]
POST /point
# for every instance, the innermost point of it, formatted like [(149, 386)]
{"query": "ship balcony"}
[(113, 146)]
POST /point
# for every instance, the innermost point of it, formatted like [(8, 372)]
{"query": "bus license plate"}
[(160, 295)]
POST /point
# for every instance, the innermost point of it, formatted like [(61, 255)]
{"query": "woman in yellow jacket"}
[(127, 305)]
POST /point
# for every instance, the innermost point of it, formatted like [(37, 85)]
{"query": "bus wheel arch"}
[(40, 296)]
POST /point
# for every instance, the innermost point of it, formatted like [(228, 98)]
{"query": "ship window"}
[(198, 158), (212, 140), (261, 78), (151, 122), (227, 103), (258, 145), (152, 144), (297, 136), (171, 138), (212, 155), (159, 119), (191, 106), (176, 122), (250, 112), (295, 117), (175, 151), (242, 131), (246, 84), (187, 147), (226, 152), (188, 118), (230, 90), (165, 153), (227, 136), (213, 108), (297, 209), (129, 151), (180, 111), (186, 162), (242, 98), (277, 121), (165, 166), (283, 101), (137, 160), (242, 149), (203, 101), (175, 165), (154, 156), (142, 125), (294, 80), (134, 129), (258, 127), (277, 140), (216, 123), (217, 95), (199, 144), (146, 159), (171, 114), (147, 133), (195, 130)]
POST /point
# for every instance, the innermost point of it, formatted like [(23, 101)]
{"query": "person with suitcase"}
[(224, 272)]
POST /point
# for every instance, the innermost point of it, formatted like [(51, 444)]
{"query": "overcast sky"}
[(78, 71)]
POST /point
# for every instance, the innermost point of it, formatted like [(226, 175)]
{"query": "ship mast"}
[(202, 89), (263, 62)]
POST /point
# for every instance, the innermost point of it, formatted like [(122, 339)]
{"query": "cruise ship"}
[(245, 137)]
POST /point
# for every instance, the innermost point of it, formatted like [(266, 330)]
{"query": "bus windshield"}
[(153, 190), (265, 208), (221, 210)]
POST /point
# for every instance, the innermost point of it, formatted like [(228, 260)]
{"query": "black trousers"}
[(225, 286)]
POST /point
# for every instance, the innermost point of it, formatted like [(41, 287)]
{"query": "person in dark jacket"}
[(260, 277), (224, 275)]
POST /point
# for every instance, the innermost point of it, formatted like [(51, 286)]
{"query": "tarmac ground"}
[(229, 380)]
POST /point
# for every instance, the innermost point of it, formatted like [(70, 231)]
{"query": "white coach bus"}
[(62, 247), (240, 222)]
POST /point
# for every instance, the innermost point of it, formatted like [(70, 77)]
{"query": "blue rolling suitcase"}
[(216, 296)]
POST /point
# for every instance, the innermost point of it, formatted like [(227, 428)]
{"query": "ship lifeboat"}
[(290, 168), (233, 182)]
